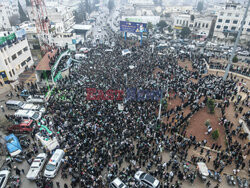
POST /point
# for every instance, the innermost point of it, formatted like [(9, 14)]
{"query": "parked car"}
[(4, 176), (117, 183), (147, 180), (25, 126), (36, 166), (244, 53)]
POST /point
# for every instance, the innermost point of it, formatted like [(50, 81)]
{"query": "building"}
[(4, 19), (60, 16), (200, 25), (229, 21), (178, 9), (15, 55), (143, 19)]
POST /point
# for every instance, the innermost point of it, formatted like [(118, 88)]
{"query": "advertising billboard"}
[(133, 27)]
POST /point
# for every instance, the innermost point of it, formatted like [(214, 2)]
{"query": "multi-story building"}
[(229, 21), (4, 19), (15, 55), (200, 25)]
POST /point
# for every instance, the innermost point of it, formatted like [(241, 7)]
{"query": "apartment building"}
[(200, 25), (15, 55), (4, 19), (229, 20)]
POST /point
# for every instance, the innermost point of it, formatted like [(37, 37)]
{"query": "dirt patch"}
[(197, 127), (186, 64)]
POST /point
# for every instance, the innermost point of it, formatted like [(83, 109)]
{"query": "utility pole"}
[(236, 42)]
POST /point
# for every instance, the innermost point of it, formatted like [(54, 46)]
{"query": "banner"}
[(3, 41), (133, 27)]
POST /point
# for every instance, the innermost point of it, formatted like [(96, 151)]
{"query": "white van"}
[(28, 114), (30, 99), (14, 105), (33, 107), (54, 164), (80, 56)]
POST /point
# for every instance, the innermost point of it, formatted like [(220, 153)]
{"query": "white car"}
[(4, 176), (146, 179), (244, 53), (36, 166)]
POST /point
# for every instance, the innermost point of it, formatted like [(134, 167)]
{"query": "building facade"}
[(200, 25), (15, 55), (229, 21), (4, 19)]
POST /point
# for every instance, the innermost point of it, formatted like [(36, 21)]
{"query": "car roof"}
[(149, 178)]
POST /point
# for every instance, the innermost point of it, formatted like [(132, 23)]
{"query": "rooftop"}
[(44, 63)]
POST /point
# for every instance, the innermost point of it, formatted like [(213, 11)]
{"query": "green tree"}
[(150, 26), (23, 16), (111, 5), (162, 24), (170, 29), (211, 105), (235, 59), (80, 13), (28, 3), (215, 134), (200, 6), (185, 32), (192, 17), (14, 20)]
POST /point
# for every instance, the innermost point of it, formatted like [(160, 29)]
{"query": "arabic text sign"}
[(133, 27)]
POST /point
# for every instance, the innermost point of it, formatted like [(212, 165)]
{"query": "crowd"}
[(102, 142)]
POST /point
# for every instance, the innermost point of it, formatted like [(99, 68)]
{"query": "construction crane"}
[(42, 23)]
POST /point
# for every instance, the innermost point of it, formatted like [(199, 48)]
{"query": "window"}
[(218, 26), (25, 49), (6, 63), (28, 59), (233, 28), (2, 50), (199, 25), (206, 25), (20, 52), (23, 63), (13, 71), (235, 21), (229, 14), (220, 20), (177, 21), (237, 15), (244, 22), (222, 13), (9, 59), (203, 25), (248, 30), (191, 25), (13, 57), (10, 73), (195, 25), (249, 23), (227, 21), (225, 27)]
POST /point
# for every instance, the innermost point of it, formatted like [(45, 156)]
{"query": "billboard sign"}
[(133, 27)]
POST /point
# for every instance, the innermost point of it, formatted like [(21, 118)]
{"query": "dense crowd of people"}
[(103, 142)]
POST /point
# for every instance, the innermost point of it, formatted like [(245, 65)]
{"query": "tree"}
[(150, 26), (185, 32), (215, 134), (14, 20), (192, 17), (111, 5), (200, 6), (80, 13), (235, 59), (170, 29), (211, 105), (28, 3), (162, 24), (23, 16)]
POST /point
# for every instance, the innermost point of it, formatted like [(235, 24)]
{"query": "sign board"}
[(133, 19), (4, 76), (177, 27), (133, 27)]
